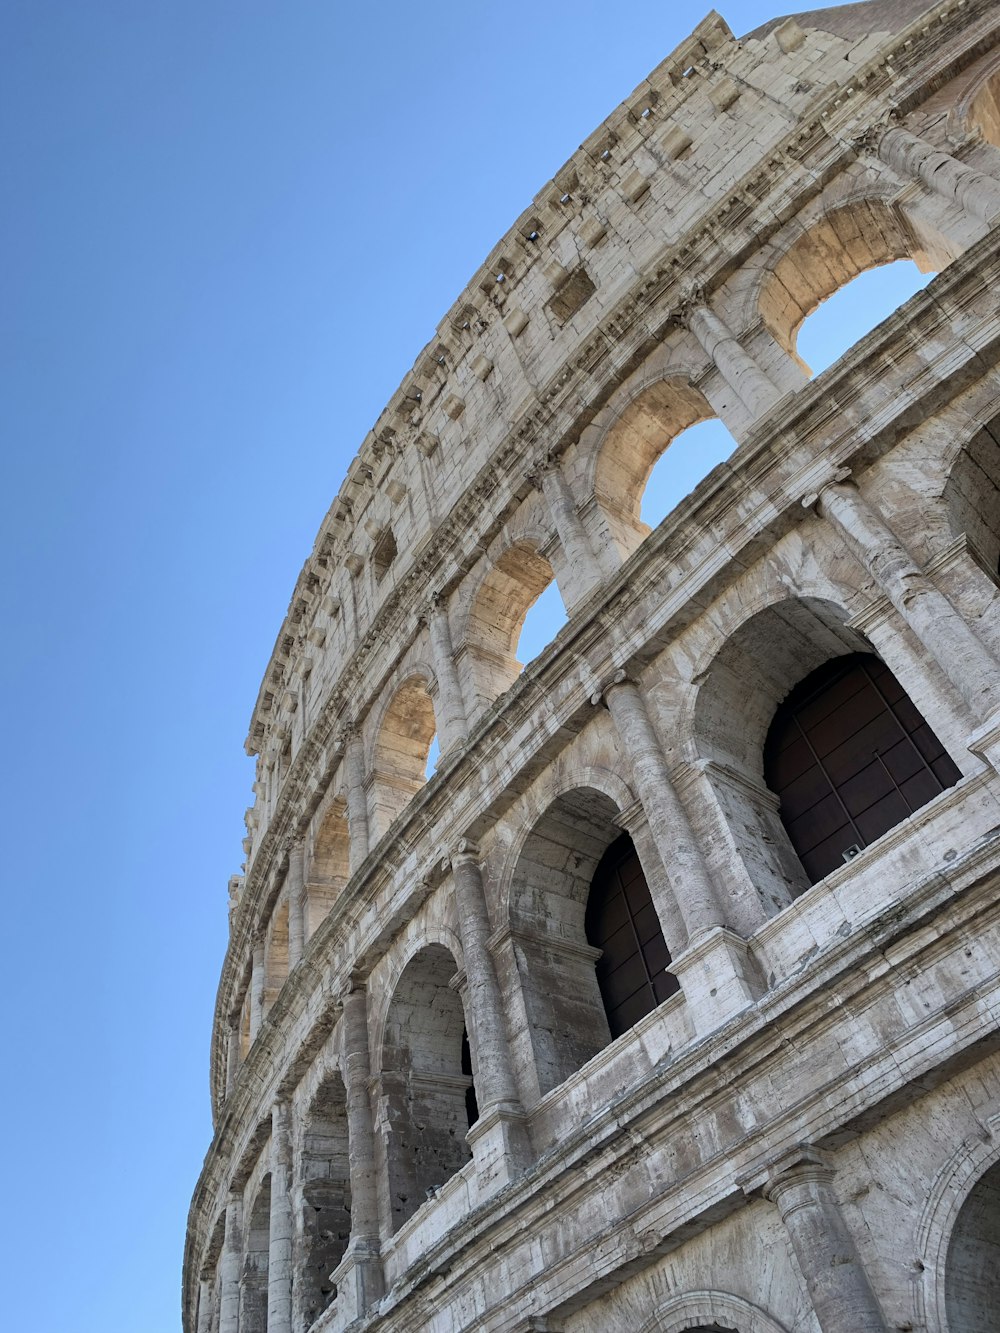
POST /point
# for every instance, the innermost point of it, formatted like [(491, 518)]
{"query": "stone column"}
[(232, 1052), (499, 1138), (583, 573), (801, 1186), (736, 366), (280, 1257), (230, 1265), (205, 1285), (359, 1277), (965, 660), (296, 886), (357, 801), (451, 720), (972, 190), (697, 901), (256, 987), (714, 970)]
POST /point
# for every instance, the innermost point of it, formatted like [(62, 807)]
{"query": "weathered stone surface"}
[(421, 1119)]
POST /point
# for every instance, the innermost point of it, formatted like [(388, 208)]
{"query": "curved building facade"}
[(669, 1000)]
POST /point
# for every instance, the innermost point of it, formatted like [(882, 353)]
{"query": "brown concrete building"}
[(670, 1001)]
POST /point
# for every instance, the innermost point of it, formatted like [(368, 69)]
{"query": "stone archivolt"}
[(421, 1119)]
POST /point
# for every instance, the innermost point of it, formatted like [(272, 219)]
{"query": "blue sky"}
[(228, 229)]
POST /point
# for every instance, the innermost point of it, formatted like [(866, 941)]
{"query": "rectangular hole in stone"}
[(383, 553), (577, 289)]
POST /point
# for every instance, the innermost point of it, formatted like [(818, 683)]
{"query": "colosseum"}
[(669, 1000)]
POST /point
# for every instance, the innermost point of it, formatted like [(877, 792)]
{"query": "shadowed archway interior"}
[(972, 1269), (633, 969)]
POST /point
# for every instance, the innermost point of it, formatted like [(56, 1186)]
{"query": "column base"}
[(718, 978), (359, 1279), (500, 1146), (985, 742)]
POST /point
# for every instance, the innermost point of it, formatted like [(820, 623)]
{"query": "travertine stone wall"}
[(421, 1121)]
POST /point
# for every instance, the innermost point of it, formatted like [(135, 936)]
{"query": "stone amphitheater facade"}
[(432, 1108)]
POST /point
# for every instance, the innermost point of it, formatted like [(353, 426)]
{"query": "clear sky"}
[(228, 229)]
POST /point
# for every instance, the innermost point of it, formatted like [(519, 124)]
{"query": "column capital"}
[(464, 852), (356, 983), (539, 470), (348, 730), (803, 1164), (866, 143), (691, 297), (620, 677), (820, 479)]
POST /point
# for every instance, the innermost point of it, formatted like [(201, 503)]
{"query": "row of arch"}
[(848, 756), (854, 228), (851, 233), (774, 294), (958, 1237), (789, 830), (638, 431)]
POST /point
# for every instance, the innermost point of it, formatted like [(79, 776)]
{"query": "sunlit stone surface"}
[(421, 1119)]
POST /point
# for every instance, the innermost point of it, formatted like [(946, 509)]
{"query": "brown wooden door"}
[(849, 756), (621, 920)]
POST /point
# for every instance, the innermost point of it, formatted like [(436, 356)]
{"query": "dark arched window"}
[(622, 922), (849, 756)]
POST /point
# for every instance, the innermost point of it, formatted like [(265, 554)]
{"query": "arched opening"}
[(849, 757), (253, 1284), (972, 495), (517, 611), (972, 1269), (329, 865), (687, 459), (633, 973), (564, 865), (424, 1086), (855, 309), (742, 689), (543, 620), (836, 249), (645, 434), (326, 1196), (276, 955), (402, 749)]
